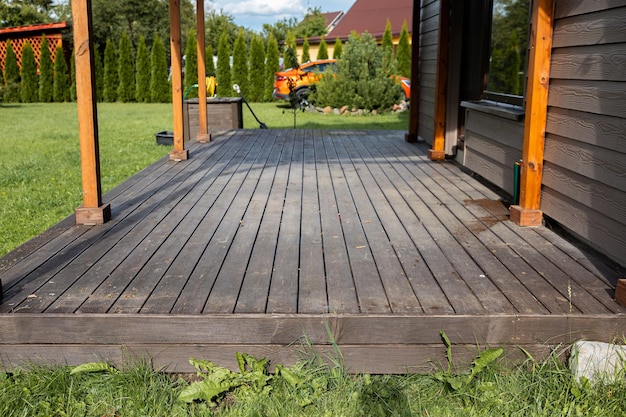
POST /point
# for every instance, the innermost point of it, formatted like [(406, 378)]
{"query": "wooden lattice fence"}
[(33, 34)]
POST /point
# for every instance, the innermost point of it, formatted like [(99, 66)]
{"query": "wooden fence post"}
[(412, 135), (438, 152), (92, 211), (203, 135), (528, 211), (179, 153)]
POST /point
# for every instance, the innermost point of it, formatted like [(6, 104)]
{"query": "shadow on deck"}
[(266, 237)]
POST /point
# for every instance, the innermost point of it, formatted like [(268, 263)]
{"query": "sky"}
[(253, 13)]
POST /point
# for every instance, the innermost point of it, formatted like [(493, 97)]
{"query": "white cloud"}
[(273, 8)]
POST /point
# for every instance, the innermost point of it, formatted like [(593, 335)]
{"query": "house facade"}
[(369, 16), (582, 143)]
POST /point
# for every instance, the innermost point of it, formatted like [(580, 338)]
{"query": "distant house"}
[(369, 16), (32, 33)]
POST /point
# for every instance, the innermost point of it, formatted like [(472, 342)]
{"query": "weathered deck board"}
[(263, 237)]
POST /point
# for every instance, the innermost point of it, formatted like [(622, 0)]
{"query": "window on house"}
[(506, 78)]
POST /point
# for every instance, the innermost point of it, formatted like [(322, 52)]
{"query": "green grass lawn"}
[(40, 179), (309, 388)]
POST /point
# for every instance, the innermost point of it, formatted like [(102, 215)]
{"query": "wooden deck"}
[(264, 238)]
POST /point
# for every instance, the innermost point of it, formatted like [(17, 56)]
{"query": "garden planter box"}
[(222, 113), (165, 137)]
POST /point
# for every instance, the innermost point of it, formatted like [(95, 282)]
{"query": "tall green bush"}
[(160, 91), (143, 72), (30, 83), (306, 53), (11, 93), (111, 72), (191, 65), (387, 48), (99, 74), (403, 54), (272, 65), (256, 88), (290, 54), (126, 71), (223, 66), (240, 63), (46, 72), (338, 50), (360, 80), (322, 52), (73, 77), (61, 83), (209, 62)]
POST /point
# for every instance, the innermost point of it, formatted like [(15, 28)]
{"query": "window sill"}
[(506, 111)]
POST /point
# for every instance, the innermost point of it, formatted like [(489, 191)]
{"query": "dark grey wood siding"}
[(492, 146), (429, 38), (584, 179)]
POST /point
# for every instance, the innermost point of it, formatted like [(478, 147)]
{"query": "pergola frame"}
[(527, 213)]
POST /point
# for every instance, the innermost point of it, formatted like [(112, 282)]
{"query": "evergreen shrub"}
[(30, 82), (11, 76), (46, 72), (126, 71), (160, 91), (61, 82), (360, 81)]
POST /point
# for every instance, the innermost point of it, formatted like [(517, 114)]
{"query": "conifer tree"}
[(257, 70), (191, 65), (61, 83), (11, 76), (322, 52), (338, 49), (223, 67), (209, 62), (240, 63), (99, 74), (46, 72), (111, 72), (387, 49), (272, 65), (73, 77), (143, 72), (159, 86), (30, 83), (387, 42), (290, 55), (126, 88), (403, 54), (306, 54)]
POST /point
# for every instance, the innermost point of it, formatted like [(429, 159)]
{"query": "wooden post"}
[(92, 211), (179, 153), (412, 135), (438, 152), (203, 135), (620, 292), (528, 211)]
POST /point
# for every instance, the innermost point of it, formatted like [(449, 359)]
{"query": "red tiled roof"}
[(371, 16), (331, 17)]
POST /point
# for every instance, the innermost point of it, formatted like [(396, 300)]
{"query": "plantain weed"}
[(460, 381)]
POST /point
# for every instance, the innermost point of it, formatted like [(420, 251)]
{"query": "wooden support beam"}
[(203, 133), (179, 153), (438, 151), (412, 134), (620, 292), (528, 211), (92, 211)]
